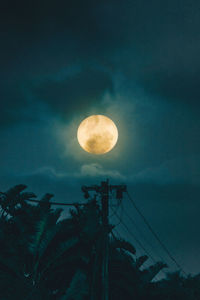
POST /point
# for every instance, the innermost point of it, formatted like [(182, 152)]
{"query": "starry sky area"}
[(136, 62)]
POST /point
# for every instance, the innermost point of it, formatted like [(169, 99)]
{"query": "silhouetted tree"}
[(44, 256)]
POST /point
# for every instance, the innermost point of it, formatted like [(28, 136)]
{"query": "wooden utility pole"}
[(104, 189), (105, 223)]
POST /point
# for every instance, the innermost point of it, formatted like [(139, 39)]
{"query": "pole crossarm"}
[(120, 189)]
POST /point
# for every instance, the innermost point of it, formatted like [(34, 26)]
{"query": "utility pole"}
[(105, 223), (104, 189)]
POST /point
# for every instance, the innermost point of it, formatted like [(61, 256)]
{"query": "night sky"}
[(138, 63)]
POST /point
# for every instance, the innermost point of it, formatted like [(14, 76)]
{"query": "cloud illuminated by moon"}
[(97, 134)]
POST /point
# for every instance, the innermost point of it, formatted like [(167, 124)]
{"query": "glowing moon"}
[(97, 134)]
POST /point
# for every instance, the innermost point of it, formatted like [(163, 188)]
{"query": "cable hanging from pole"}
[(155, 234), (136, 239), (56, 203), (141, 233), (145, 240)]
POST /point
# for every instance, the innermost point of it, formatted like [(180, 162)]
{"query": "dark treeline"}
[(46, 257)]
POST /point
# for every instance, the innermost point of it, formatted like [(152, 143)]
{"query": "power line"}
[(138, 252), (155, 234), (114, 211), (111, 206), (56, 203), (144, 238), (141, 233), (135, 238), (115, 214), (139, 243)]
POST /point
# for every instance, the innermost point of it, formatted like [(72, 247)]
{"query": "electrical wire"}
[(138, 252), (115, 214), (140, 244), (56, 203), (141, 234), (111, 206), (155, 234), (136, 239), (145, 240)]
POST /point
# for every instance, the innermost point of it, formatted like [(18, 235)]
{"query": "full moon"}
[(97, 134)]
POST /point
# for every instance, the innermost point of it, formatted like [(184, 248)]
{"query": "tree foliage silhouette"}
[(46, 256)]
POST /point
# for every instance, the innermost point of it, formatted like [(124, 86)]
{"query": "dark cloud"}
[(12, 103), (75, 94), (175, 85), (153, 44), (61, 58), (44, 36)]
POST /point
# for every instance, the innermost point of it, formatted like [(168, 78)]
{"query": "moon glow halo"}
[(97, 134)]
